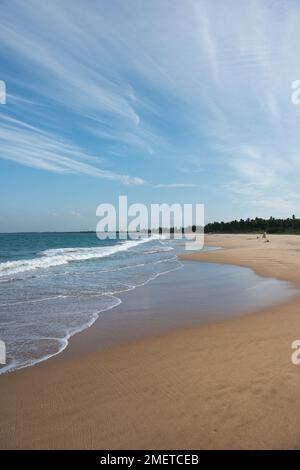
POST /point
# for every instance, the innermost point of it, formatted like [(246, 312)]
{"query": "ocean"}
[(53, 285)]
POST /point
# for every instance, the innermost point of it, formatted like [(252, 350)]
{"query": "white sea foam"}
[(61, 256), (40, 315), (62, 342)]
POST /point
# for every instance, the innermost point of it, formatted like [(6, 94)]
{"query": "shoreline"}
[(236, 255), (207, 386)]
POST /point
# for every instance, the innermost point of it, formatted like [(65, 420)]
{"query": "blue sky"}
[(162, 100)]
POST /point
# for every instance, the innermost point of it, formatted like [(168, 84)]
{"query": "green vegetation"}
[(257, 225)]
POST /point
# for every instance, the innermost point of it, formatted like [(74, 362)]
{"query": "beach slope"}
[(228, 385)]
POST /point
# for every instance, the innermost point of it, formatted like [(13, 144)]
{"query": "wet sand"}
[(229, 384)]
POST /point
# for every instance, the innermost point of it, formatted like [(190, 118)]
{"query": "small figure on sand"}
[(264, 236)]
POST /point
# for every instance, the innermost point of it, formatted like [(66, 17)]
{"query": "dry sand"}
[(224, 385)]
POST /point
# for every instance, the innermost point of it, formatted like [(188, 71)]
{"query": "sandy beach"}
[(226, 385)]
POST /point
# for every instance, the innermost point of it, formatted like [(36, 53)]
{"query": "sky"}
[(164, 101)]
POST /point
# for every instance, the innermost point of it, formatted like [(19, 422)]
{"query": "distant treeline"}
[(271, 225)]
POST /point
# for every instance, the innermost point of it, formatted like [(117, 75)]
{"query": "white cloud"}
[(170, 79), (175, 185), (28, 145)]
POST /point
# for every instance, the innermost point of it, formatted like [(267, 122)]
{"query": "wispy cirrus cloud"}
[(75, 214), (175, 185), (57, 46), (31, 146), (200, 86)]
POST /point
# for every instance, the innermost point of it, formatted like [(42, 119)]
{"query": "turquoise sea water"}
[(53, 285)]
